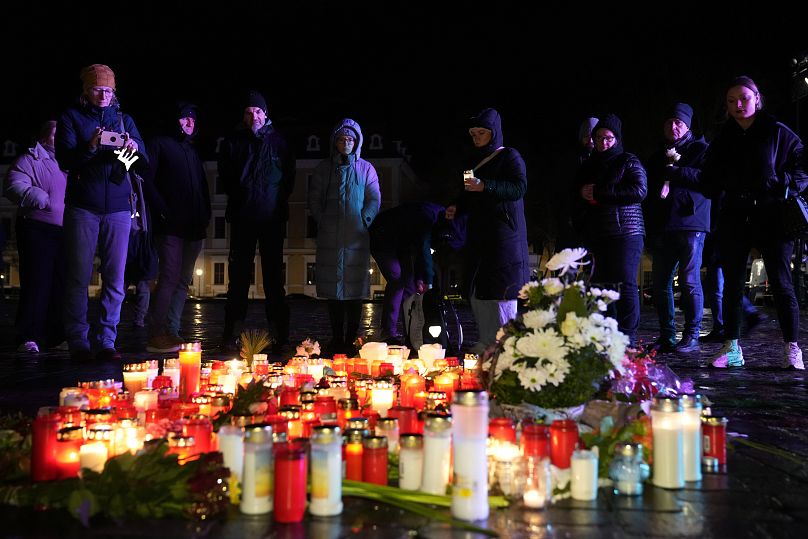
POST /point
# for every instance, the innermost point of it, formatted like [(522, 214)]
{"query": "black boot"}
[(688, 344)]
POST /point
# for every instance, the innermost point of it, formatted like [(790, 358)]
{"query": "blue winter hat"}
[(681, 111)]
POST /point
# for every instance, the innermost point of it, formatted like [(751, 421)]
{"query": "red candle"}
[(294, 425), (201, 429), (372, 416), (407, 419), (444, 382), (289, 396), (190, 369), (182, 446), (419, 400), (325, 408), (70, 439), (502, 429), (353, 454), (180, 410), (374, 460), (289, 500), (44, 447), (563, 439), (714, 439), (535, 441), (411, 384), (386, 369)]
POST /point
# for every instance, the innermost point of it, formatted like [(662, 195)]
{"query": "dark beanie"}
[(347, 132), (612, 123), (682, 111), (255, 99), (186, 110)]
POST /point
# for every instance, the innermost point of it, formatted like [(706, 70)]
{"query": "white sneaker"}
[(30, 347), (792, 357), (729, 356)]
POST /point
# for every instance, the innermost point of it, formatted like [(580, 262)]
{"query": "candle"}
[(171, 368), (146, 399), (444, 382), (346, 410), (256, 480), (69, 442), (374, 460), (388, 427), (419, 400), (668, 443), (563, 437), (437, 452), (228, 383), (182, 446), (231, 446), (470, 362), (407, 419), (691, 449), (538, 483), (201, 429), (129, 436), (190, 369), (715, 440), (290, 484), (326, 471), (44, 432), (93, 456), (469, 436), (294, 423), (411, 383), (134, 377), (152, 370), (584, 478), (353, 454), (382, 395), (411, 461), (260, 365), (502, 429), (535, 440)]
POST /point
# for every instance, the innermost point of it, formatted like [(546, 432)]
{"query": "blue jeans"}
[(396, 266), (679, 249), (177, 258), (714, 285), (84, 232)]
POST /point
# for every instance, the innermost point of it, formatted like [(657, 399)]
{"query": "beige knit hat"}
[(97, 75)]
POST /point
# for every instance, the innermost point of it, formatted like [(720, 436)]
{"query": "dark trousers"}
[(678, 249), (396, 265), (344, 316), (269, 236), (714, 284), (616, 263), (42, 263), (177, 258), (776, 252)]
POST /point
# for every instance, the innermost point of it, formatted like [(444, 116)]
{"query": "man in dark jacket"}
[(180, 209), (258, 172), (96, 144), (677, 219)]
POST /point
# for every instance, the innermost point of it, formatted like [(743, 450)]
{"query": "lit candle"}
[(190, 369), (146, 399), (444, 382), (668, 443), (228, 383), (171, 368), (382, 395), (411, 383), (134, 377), (152, 370), (93, 456), (231, 445), (691, 422), (470, 362), (70, 440), (353, 454), (538, 483)]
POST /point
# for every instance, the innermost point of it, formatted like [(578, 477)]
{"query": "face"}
[(50, 138), (187, 125), (604, 139), (480, 136), (345, 144), (742, 102), (100, 96), (255, 117), (587, 142), (674, 129)]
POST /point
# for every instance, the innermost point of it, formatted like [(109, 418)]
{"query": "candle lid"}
[(374, 442), (290, 412), (191, 347), (135, 367), (714, 421), (348, 404), (360, 422), (354, 436), (258, 433), (220, 400), (438, 423), (67, 434), (691, 401), (667, 404), (411, 441), (471, 397), (198, 398), (325, 434), (307, 396), (181, 441), (387, 423)]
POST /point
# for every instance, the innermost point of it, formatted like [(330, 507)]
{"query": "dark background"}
[(412, 72)]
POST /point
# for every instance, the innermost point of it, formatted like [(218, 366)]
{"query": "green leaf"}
[(572, 302)]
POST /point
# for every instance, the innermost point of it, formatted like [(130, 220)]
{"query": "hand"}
[(666, 189), (450, 212), (130, 144), (473, 184), (587, 192), (420, 287), (95, 140)]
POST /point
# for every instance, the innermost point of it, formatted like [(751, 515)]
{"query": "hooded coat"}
[(37, 186), (343, 199), (497, 234)]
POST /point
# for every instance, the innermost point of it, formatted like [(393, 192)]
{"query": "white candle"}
[(691, 422), (134, 381), (411, 462), (228, 383), (231, 445), (93, 456), (146, 399), (534, 498), (584, 470), (668, 444), (382, 397)]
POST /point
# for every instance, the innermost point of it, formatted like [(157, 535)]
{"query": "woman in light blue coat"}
[(344, 199)]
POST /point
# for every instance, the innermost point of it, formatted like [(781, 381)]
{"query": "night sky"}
[(409, 72)]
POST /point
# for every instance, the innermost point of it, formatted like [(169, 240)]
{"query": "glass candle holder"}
[(668, 443), (289, 501), (171, 368), (563, 439), (538, 483), (410, 461), (388, 427), (374, 460), (437, 454), (190, 369), (68, 445), (257, 471), (326, 471), (691, 424), (353, 451), (628, 470)]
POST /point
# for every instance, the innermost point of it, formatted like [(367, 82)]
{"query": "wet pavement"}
[(764, 493)]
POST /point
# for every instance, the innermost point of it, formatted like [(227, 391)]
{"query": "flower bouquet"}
[(557, 353)]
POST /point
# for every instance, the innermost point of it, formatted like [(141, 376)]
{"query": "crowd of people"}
[(91, 186)]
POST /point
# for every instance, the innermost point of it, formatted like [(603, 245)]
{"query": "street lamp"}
[(199, 273)]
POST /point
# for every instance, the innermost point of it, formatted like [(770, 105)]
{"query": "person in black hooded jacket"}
[(497, 264), (612, 184), (179, 200)]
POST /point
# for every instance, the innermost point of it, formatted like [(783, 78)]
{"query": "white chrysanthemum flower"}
[(601, 305), (543, 344), (611, 294), (552, 286), (525, 290), (538, 318), (557, 371), (568, 259), (532, 379), (595, 292)]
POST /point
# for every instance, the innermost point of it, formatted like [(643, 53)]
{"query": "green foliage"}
[(245, 397), (607, 437)]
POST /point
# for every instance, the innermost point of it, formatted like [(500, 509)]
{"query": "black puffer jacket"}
[(620, 187)]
